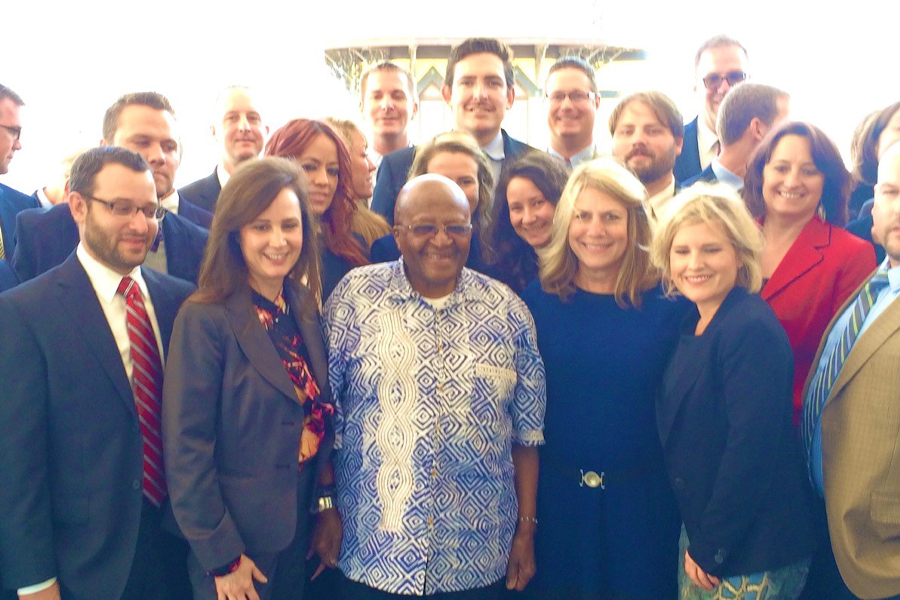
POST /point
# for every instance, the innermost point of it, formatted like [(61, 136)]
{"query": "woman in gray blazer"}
[(247, 410)]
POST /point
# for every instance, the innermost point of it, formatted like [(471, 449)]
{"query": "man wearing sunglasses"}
[(720, 64), (83, 481), (11, 201)]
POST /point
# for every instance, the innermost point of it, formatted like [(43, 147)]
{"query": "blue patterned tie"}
[(813, 407)]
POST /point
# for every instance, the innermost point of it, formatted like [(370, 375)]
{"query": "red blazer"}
[(819, 272)]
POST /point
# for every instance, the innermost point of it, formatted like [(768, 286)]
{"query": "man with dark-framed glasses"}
[(82, 366)]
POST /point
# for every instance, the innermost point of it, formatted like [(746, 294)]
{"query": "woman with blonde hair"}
[(724, 411), (608, 521), (457, 156), (364, 220)]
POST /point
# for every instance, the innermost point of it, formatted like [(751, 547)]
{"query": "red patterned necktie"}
[(147, 383)]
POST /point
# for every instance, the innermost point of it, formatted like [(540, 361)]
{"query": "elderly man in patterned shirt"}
[(440, 398)]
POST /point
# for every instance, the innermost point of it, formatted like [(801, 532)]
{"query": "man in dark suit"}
[(240, 133), (479, 87), (720, 64), (83, 478), (144, 122), (746, 115), (11, 201)]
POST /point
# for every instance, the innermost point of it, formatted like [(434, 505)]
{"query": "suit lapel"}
[(804, 254), (868, 343), (77, 295), (686, 375), (256, 344)]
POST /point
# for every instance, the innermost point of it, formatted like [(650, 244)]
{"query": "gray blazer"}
[(231, 429)]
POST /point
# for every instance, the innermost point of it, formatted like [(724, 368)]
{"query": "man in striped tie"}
[(82, 479), (851, 423)]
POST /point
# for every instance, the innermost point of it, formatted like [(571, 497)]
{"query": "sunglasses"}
[(713, 81)]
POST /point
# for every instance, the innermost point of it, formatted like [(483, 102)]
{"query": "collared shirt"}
[(707, 142), (106, 283), (725, 176), (171, 201), (495, 152), (658, 201), (582, 156), (885, 297), (428, 404), (222, 175), (42, 198)]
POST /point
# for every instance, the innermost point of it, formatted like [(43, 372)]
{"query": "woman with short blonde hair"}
[(724, 409)]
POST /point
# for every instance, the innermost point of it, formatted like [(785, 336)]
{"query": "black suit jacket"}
[(203, 192), (12, 202), (69, 434), (49, 235), (733, 459), (231, 429), (194, 213), (8, 279), (394, 173), (687, 164)]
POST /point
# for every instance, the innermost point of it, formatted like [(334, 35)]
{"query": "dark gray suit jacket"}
[(231, 429), (203, 192), (69, 434)]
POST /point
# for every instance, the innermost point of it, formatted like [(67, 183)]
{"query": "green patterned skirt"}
[(785, 583)]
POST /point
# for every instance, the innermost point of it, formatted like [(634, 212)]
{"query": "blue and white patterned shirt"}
[(428, 403)]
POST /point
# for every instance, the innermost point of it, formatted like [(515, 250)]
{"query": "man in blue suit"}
[(720, 64), (479, 87), (83, 482), (240, 133), (745, 116), (11, 201), (144, 123)]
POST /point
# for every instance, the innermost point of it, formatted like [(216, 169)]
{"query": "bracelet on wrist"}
[(227, 569), (324, 503), (528, 520)]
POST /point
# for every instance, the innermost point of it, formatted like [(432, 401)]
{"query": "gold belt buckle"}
[(591, 479)]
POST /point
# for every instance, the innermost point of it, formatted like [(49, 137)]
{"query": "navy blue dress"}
[(604, 366)]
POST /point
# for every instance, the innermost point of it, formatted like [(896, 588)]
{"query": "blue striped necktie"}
[(816, 401)]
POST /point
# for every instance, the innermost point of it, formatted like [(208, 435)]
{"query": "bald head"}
[(886, 210), (420, 190), (433, 229)]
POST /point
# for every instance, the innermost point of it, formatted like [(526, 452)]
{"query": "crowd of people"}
[(349, 367)]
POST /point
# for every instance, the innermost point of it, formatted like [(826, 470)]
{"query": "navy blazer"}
[(49, 235), (734, 462), (69, 434), (194, 213), (687, 164), (394, 173), (12, 202), (203, 192), (231, 429), (707, 175), (8, 279)]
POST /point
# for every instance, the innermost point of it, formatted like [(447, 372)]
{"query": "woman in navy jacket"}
[(724, 412)]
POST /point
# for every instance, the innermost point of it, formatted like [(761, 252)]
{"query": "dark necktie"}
[(816, 401), (147, 383)]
